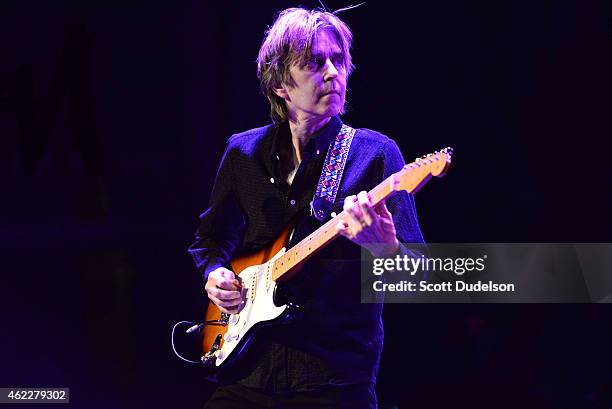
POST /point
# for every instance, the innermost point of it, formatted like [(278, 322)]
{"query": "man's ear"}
[(281, 91)]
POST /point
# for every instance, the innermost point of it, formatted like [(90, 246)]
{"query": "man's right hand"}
[(224, 290)]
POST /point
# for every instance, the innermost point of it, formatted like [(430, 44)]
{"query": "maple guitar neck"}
[(410, 178)]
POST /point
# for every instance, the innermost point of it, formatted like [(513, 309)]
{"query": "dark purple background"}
[(113, 116)]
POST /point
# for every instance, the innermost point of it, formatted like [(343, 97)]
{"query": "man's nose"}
[(331, 71)]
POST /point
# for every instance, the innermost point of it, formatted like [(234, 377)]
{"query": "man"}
[(267, 177)]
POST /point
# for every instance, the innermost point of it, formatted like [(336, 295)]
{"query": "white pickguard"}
[(258, 287)]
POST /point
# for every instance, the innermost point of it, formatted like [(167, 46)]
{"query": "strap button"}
[(292, 201)]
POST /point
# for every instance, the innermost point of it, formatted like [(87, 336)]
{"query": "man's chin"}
[(333, 110)]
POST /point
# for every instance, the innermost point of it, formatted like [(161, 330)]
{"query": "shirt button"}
[(271, 180), (292, 202)]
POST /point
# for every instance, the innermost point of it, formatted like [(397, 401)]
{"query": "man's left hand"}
[(371, 228)]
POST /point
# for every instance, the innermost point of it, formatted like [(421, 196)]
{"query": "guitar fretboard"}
[(412, 177)]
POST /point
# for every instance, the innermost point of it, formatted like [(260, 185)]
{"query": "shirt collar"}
[(319, 143)]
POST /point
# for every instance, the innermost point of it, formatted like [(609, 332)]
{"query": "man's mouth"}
[(330, 92)]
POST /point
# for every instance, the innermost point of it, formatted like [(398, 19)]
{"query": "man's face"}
[(320, 86)]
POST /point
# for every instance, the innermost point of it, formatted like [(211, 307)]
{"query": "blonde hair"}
[(289, 42)]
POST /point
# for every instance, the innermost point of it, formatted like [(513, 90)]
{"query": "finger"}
[(349, 205), (383, 211), (367, 213), (228, 304), (225, 303), (349, 202), (354, 226), (352, 218), (220, 277), (224, 295), (232, 285), (342, 228), (230, 296), (228, 274), (222, 273), (231, 310)]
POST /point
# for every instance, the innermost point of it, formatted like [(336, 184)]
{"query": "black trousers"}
[(359, 396)]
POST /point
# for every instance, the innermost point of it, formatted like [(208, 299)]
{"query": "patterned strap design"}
[(331, 175)]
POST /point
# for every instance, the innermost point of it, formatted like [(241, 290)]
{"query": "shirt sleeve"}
[(223, 223)]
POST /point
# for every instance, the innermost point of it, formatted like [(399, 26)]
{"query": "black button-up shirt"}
[(338, 340)]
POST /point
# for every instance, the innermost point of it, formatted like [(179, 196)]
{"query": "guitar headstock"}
[(436, 163), (415, 174)]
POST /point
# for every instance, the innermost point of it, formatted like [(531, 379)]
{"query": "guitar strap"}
[(331, 175)]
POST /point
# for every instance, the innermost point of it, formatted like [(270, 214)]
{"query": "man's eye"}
[(317, 62)]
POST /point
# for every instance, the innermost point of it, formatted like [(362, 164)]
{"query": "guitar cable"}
[(189, 330), (196, 327)]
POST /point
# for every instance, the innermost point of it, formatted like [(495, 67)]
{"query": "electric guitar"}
[(226, 337)]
